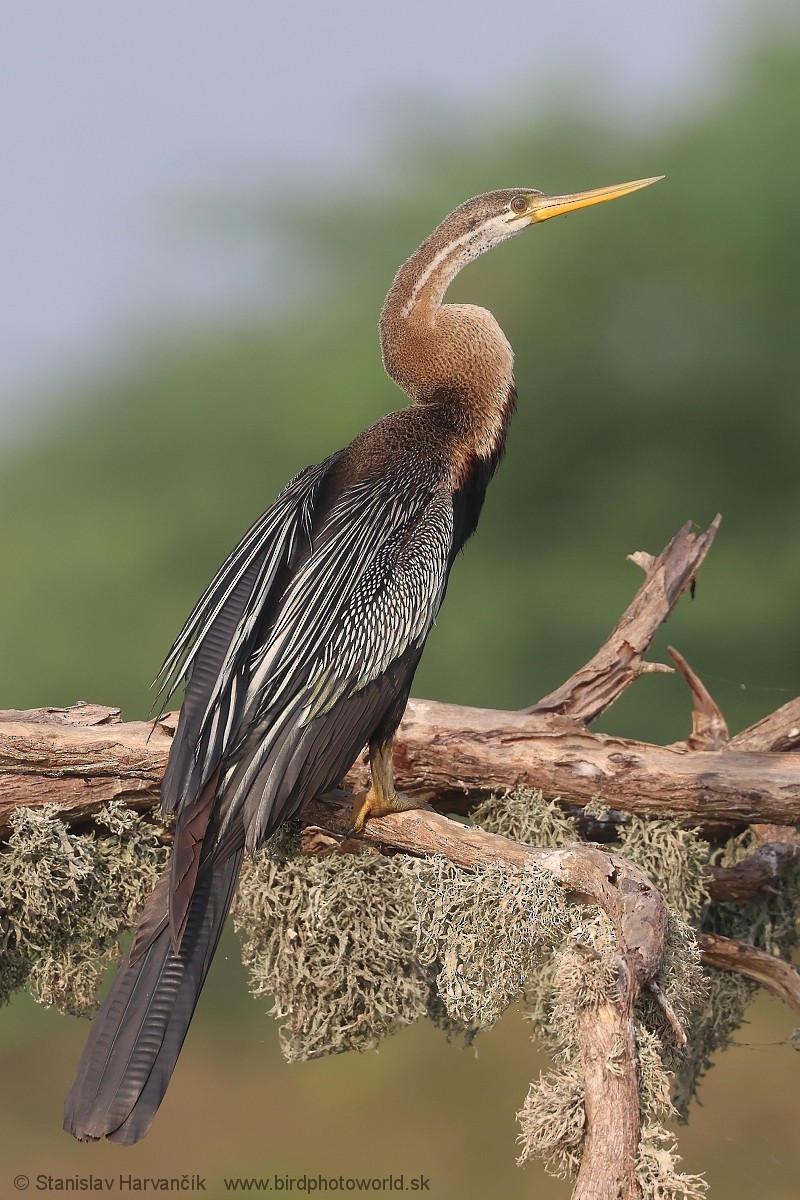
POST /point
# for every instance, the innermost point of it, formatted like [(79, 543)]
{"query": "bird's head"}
[(424, 343), (475, 227), (483, 222)]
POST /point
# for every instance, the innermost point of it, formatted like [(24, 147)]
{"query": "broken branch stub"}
[(592, 689)]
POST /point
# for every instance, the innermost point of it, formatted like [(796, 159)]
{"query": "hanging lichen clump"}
[(352, 947), (332, 940), (583, 973), (66, 899)]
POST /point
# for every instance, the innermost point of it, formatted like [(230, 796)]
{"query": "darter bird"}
[(303, 648)]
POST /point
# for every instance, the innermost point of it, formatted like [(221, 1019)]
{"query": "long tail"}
[(137, 1035)]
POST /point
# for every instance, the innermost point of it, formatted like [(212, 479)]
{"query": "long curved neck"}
[(448, 354), (421, 282)]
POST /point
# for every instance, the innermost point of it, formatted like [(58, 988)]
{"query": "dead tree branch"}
[(606, 1032), (776, 975), (82, 757), (446, 754), (453, 756), (761, 870), (709, 727), (780, 731), (590, 691), (449, 752)]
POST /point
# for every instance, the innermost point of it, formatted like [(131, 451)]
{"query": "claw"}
[(372, 804), (382, 798), (361, 811)]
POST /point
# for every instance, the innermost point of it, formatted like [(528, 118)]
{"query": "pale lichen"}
[(332, 941), (353, 947), (66, 899), (485, 932)]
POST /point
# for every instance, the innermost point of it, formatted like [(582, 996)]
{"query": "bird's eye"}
[(518, 204)]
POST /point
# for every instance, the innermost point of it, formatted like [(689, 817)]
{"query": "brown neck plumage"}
[(452, 354)]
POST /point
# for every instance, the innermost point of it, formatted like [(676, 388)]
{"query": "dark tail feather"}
[(137, 1035)]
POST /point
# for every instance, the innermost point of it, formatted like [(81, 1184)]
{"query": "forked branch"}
[(452, 757), (620, 660), (449, 755), (606, 1031)]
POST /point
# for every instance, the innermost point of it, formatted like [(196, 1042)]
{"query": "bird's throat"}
[(450, 358)]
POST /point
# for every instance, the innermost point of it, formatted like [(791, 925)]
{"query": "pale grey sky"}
[(111, 111)]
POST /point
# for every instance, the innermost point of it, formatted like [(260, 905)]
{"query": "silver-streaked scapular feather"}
[(304, 640), (356, 605), (214, 646), (365, 592)]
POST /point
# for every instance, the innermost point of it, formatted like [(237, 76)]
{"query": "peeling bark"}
[(451, 756), (726, 954)]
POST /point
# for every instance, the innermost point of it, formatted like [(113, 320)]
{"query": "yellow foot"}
[(371, 804)]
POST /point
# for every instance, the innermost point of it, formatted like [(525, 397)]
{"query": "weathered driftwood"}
[(780, 731), (726, 954), (620, 660), (606, 1031), (451, 756), (446, 754), (709, 727), (761, 870), (79, 758)]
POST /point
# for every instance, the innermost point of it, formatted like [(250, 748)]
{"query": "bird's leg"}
[(382, 797)]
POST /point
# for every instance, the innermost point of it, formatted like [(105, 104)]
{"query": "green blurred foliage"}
[(656, 362), (657, 357)]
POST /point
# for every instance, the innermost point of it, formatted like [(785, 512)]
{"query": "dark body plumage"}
[(304, 647)]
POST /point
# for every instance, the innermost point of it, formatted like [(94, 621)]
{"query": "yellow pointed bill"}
[(542, 208)]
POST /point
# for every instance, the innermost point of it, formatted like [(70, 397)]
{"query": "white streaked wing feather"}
[(371, 587), (275, 525)]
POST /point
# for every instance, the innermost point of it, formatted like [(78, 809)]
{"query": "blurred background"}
[(201, 211)]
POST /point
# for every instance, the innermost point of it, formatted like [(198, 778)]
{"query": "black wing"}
[(217, 639), (342, 650), (298, 654)]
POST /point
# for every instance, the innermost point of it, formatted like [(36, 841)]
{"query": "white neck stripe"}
[(438, 258)]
